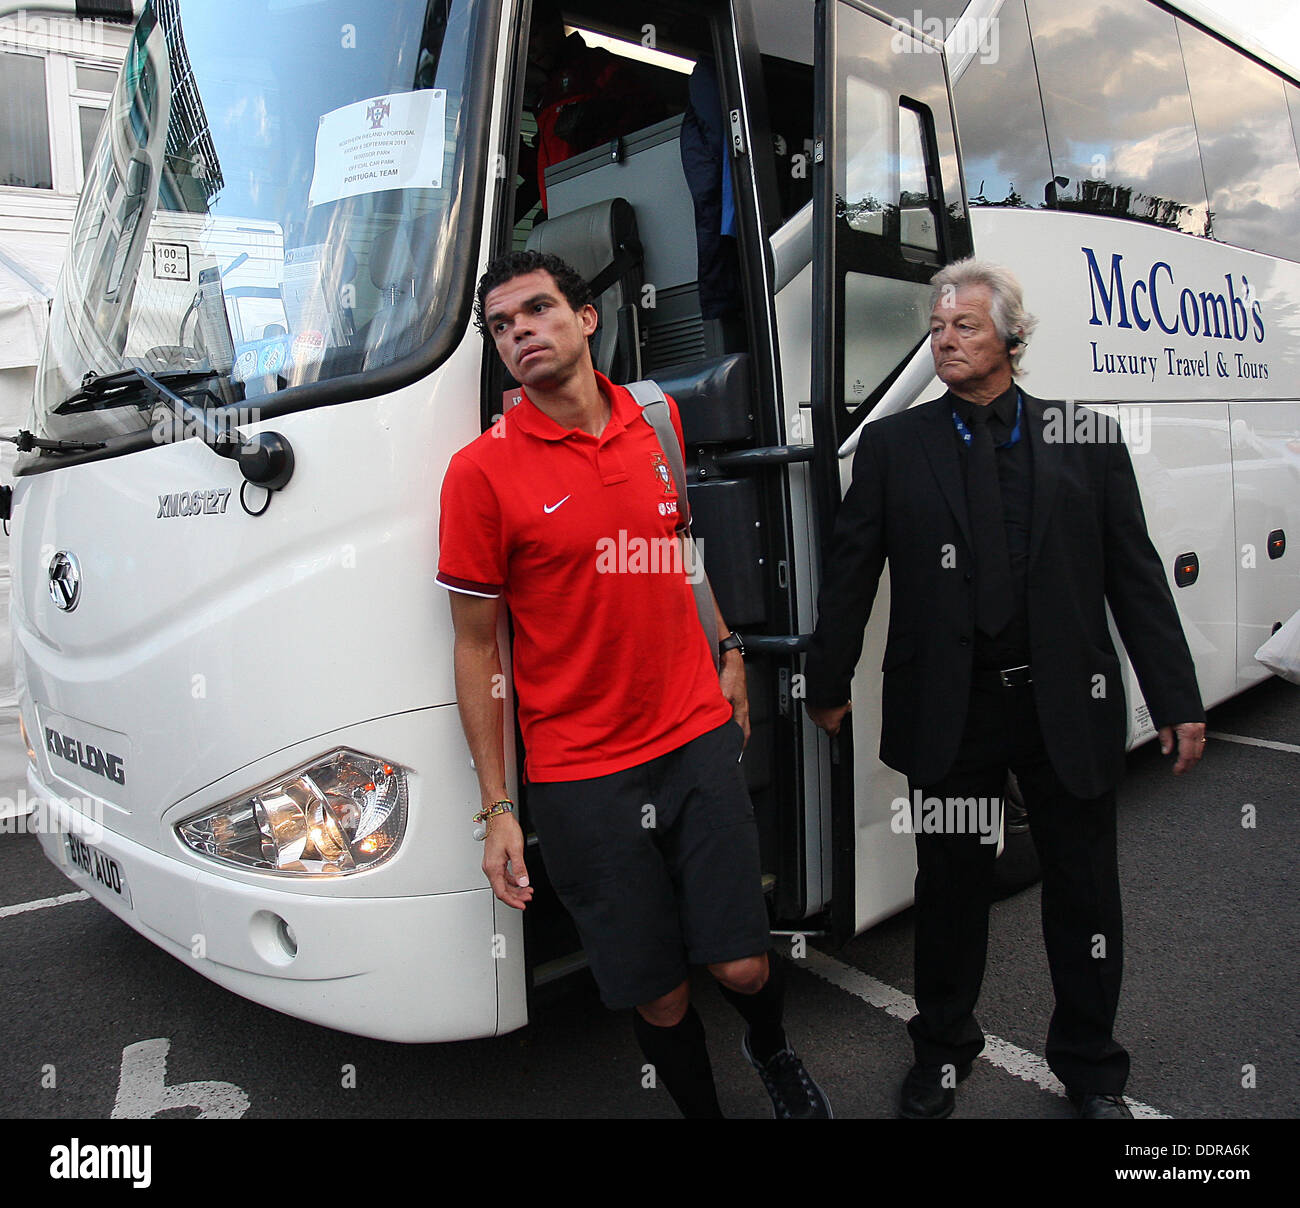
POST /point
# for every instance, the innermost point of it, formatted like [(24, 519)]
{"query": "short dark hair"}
[(571, 283)]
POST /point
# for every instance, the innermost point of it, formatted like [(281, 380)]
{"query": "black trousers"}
[(1082, 918)]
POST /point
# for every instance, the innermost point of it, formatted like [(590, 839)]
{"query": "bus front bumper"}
[(411, 969)]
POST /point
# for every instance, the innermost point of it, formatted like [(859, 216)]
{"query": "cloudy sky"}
[(1274, 23)]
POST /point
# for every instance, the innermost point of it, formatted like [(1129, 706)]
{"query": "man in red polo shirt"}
[(564, 511)]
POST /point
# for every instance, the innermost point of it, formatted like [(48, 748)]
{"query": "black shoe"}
[(1101, 1107), (924, 1096), (794, 1095)]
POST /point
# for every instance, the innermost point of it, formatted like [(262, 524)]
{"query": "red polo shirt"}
[(576, 533)]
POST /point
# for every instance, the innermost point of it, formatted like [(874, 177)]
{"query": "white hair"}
[(1007, 310)]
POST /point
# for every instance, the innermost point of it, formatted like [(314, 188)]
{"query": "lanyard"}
[(964, 432)]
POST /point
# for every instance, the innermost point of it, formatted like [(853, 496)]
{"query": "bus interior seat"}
[(388, 335), (648, 172), (600, 241), (714, 397), (715, 400), (397, 326)]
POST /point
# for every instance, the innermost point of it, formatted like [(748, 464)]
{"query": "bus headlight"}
[(342, 813)]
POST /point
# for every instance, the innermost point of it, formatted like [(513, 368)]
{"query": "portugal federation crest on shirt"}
[(664, 473)]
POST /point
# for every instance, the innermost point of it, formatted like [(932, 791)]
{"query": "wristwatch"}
[(731, 642)]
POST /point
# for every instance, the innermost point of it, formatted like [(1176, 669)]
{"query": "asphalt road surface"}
[(96, 1016)]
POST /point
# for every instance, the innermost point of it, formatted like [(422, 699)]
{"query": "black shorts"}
[(658, 865)]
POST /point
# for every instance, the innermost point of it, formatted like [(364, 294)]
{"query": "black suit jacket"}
[(1088, 547)]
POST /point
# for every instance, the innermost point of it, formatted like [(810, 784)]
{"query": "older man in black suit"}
[(1006, 536)]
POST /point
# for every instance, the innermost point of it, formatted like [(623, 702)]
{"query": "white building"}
[(58, 64)]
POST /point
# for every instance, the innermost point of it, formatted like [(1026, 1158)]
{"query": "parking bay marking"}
[(1254, 742), (1001, 1053), (142, 1089), (41, 903)]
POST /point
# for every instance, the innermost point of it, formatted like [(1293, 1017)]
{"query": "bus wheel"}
[(1017, 867)]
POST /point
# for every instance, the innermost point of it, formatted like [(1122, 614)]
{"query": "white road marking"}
[(142, 1089), (1001, 1053), (42, 903), (1254, 742)]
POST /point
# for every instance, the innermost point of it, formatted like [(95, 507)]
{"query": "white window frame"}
[(32, 53), (65, 45), (84, 98)]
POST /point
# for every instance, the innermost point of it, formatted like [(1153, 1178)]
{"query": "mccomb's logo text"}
[(1147, 300), (78, 1161), (1231, 313)]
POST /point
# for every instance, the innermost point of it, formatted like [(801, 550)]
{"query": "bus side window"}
[(1247, 147), (918, 227)]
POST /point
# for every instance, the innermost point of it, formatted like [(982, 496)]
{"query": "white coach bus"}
[(229, 645)]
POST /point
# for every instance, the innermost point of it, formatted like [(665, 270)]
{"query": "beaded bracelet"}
[(504, 806)]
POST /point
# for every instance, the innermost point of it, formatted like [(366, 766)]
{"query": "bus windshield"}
[(271, 201)]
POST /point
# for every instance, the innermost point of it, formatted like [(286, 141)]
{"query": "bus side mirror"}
[(266, 460)]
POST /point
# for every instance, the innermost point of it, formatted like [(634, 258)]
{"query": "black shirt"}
[(1010, 648)]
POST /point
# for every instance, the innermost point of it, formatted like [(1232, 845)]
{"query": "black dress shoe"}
[(1101, 1107), (924, 1095)]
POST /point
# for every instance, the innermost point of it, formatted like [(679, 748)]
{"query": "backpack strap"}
[(654, 407)]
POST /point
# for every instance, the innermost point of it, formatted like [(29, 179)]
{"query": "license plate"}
[(97, 866)]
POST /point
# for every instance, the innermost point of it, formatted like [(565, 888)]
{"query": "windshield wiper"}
[(266, 460), (122, 388), (27, 441), (100, 392)]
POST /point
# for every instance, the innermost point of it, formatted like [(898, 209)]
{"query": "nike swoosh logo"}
[(549, 510)]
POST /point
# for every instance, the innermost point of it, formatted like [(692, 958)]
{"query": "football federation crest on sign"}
[(665, 474), (394, 141)]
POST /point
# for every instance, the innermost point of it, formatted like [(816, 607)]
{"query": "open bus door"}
[(623, 210), (888, 211)]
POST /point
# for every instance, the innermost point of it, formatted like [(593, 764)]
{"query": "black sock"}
[(681, 1062), (763, 1011)]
